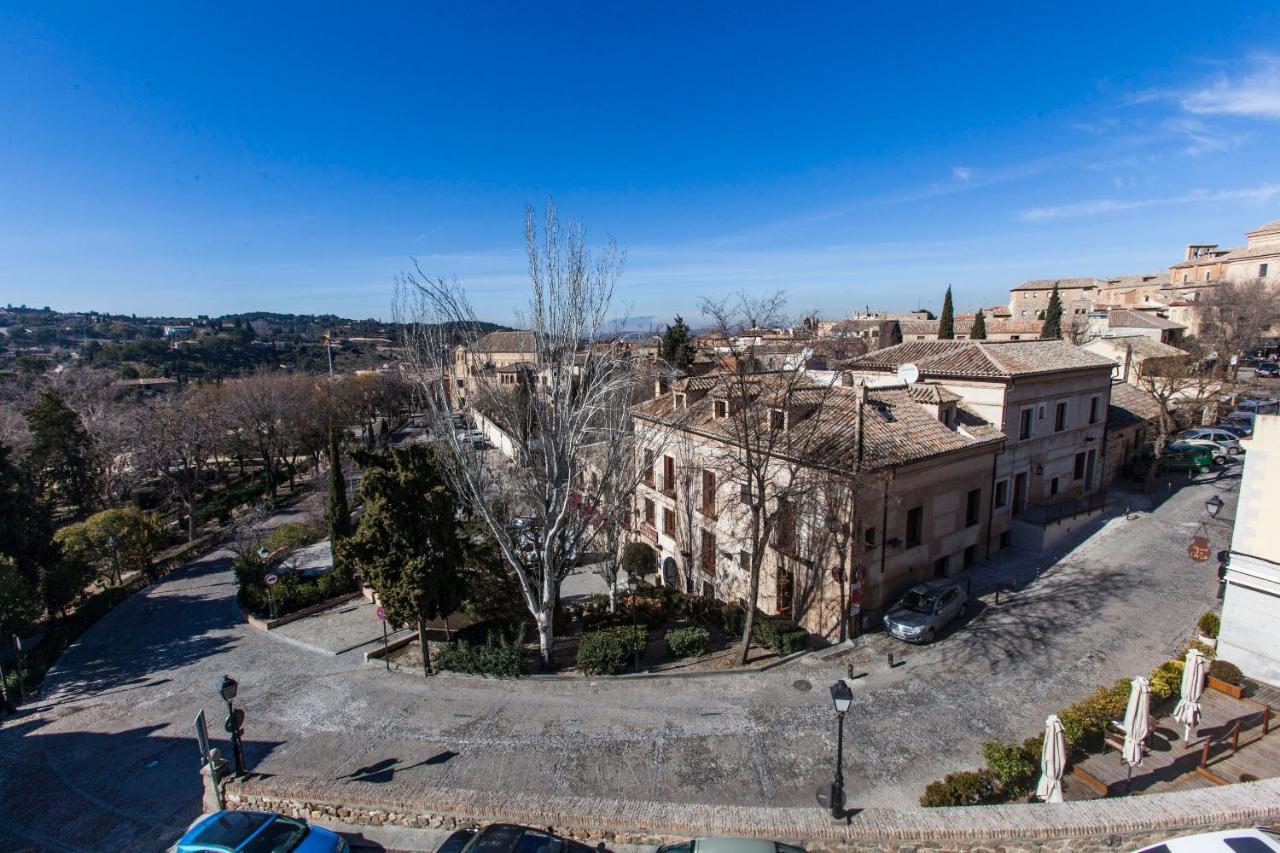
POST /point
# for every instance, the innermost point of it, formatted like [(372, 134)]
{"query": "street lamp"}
[(115, 557), (263, 553), (1213, 506), (633, 583), (235, 721), (842, 698)]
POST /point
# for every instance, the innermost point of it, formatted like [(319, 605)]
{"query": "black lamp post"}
[(842, 698), (1213, 506), (633, 583), (235, 721)]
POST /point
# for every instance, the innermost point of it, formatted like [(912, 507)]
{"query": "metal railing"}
[(1049, 513), (1232, 735)]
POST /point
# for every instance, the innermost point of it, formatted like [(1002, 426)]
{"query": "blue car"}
[(258, 832)]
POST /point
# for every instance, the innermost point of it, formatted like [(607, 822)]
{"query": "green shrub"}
[(688, 642), (781, 635), (1205, 649), (293, 534), (1166, 680), (611, 650), (1208, 624), (639, 559), (1085, 723), (1226, 671), (1015, 766), (480, 632), (966, 788), (499, 656), (293, 591)]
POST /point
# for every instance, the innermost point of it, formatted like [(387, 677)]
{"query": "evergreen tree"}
[(947, 325), (61, 456), (26, 530), (677, 348), (978, 331), (17, 603), (339, 512), (407, 544), (1052, 329)]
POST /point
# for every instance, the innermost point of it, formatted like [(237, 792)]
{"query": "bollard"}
[(997, 595), (851, 672), (890, 660)]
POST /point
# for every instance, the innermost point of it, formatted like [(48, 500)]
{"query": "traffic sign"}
[(1198, 550), (271, 578), (382, 614)]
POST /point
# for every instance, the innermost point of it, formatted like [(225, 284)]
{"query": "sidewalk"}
[(339, 629)]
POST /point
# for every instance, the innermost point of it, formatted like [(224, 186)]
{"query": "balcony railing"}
[(1049, 513)]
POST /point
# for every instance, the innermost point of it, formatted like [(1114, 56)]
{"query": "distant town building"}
[(1029, 299)]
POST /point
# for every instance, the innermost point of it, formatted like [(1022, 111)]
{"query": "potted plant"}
[(1208, 625), (1225, 677)]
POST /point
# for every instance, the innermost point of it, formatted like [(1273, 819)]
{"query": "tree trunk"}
[(191, 520), (613, 593), (545, 637), (744, 647), (426, 648)]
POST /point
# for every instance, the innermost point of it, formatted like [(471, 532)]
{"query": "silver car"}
[(1228, 440), (925, 610)]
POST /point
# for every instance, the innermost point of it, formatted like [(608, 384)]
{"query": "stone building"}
[(494, 351), (1127, 322), (1134, 355), (1258, 258), (1131, 427), (1029, 299)]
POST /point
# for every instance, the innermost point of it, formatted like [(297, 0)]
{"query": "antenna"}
[(908, 372)]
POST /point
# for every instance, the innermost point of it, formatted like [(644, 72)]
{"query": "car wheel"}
[(1219, 460), (930, 635)]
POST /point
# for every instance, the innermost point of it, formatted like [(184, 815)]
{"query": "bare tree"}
[(564, 417), (179, 436), (1183, 390), (1234, 317), (267, 412), (770, 423)]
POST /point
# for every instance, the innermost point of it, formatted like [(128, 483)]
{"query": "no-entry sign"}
[(382, 614), (271, 579)]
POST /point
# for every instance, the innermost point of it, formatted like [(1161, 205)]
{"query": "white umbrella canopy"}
[(1188, 710), (1053, 760), (1136, 727)]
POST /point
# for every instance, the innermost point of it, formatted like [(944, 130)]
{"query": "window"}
[(708, 492), (1060, 417), (744, 560), (648, 467), (971, 507), (1262, 270), (1005, 539), (1095, 403), (785, 538), (1024, 428), (1016, 337), (649, 510), (777, 420), (744, 491), (1206, 275), (720, 409), (668, 475), (1053, 487), (708, 560), (682, 401), (869, 537), (785, 588), (915, 526), (1002, 494), (940, 567), (1078, 473), (970, 556)]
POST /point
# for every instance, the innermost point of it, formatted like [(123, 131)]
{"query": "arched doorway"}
[(670, 577)]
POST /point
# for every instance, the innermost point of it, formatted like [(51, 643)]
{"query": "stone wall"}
[(1124, 823)]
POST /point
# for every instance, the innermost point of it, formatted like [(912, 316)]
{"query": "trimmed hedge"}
[(966, 788), (1226, 671), (292, 592), (781, 635), (498, 656), (688, 642), (611, 650)]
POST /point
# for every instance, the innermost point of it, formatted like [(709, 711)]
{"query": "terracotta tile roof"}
[(896, 430), (919, 327), (1130, 405), (1143, 346), (516, 341), (925, 392), (1124, 318), (1060, 283), (993, 359)]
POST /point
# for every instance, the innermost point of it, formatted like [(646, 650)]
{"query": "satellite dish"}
[(908, 372)]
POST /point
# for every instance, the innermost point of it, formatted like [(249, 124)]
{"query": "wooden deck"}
[(1171, 765)]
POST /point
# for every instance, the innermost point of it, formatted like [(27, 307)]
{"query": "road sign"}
[(271, 578), (1198, 550), (382, 614)]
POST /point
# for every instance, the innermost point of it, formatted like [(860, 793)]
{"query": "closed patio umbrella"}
[(1188, 710), (1053, 760), (1136, 728)]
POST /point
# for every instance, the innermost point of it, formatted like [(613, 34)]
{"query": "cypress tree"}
[(979, 330), (1052, 329), (339, 511), (677, 350), (947, 325)]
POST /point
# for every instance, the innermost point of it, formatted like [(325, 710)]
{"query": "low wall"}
[(1124, 823), (270, 624)]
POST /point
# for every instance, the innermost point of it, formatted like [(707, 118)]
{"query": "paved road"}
[(106, 760)]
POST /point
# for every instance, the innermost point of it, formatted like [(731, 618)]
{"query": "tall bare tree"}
[(564, 418), (179, 436), (1183, 390), (267, 411), (1234, 316)]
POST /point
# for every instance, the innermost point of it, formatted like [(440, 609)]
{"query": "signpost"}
[(382, 617), (271, 579), (1198, 550), (17, 648)]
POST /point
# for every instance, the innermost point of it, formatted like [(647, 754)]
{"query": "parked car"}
[(1267, 368), (1180, 456), (925, 610), (1256, 407), (730, 845), (1230, 441), (1258, 840), (1216, 450), (510, 837), (258, 832), (1242, 429), (457, 840)]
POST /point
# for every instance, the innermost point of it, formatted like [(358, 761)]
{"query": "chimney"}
[(1128, 358)]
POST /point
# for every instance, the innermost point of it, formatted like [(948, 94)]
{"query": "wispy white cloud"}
[(962, 173), (1203, 138), (1256, 93), (1265, 192)]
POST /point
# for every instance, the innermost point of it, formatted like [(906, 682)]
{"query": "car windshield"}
[(918, 602), (230, 829), (280, 836)]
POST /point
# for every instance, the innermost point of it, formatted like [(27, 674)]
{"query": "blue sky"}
[(170, 158)]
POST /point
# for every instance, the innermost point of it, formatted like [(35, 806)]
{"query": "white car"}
[(1220, 453), (1229, 440), (1228, 841)]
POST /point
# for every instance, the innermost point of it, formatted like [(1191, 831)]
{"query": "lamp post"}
[(1213, 506), (263, 553), (115, 558), (235, 721), (633, 583), (842, 698)]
